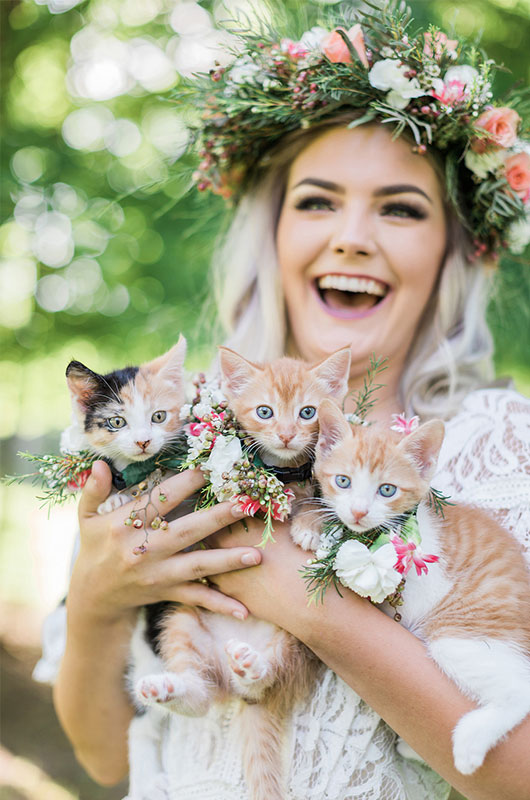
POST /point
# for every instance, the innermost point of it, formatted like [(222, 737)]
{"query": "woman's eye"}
[(159, 416), (403, 210), (342, 481), (314, 204), (264, 412), (116, 422), (308, 412), (387, 490)]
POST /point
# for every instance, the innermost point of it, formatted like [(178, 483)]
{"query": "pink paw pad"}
[(245, 661), (159, 690)]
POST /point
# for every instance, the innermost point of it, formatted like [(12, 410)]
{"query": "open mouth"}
[(350, 297)]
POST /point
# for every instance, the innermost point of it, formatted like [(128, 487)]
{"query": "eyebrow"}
[(384, 191)]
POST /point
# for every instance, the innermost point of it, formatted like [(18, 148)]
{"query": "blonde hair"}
[(452, 351)]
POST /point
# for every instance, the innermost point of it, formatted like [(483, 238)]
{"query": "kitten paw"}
[(470, 744), (245, 662), (185, 693), (304, 536), (113, 502)]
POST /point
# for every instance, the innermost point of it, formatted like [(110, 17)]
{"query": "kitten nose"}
[(358, 513), (143, 445), (286, 437)]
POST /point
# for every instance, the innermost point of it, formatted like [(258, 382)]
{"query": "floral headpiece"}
[(437, 88)]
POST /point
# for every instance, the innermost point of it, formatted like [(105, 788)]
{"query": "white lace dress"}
[(337, 748)]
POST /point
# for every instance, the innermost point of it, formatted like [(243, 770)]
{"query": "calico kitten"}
[(472, 609), (211, 657), (128, 415)]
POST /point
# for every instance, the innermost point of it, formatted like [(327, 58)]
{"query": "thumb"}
[(96, 490)]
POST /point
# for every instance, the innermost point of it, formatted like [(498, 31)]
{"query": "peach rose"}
[(336, 49), (501, 124), (436, 45), (518, 175)]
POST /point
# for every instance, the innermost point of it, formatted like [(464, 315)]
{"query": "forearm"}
[(390, 669), (90, 695)]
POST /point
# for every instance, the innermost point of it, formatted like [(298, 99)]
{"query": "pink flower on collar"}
[(409, 553), (404, 425)]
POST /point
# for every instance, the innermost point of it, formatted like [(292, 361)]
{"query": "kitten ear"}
[(334, 371), (423, 446), (82, 383), (236, 371), (170, 364), (333, 427)]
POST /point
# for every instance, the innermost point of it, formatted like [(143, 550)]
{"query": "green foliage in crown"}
[(438, 90)]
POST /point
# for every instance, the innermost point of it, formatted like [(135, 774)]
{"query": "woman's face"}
[(360, 241)]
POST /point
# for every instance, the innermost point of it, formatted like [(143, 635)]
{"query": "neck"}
[(386, 399)]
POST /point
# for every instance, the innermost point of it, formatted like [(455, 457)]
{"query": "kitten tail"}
[(262, 754)]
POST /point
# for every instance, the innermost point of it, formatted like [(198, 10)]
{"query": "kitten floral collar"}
[(435, 88)]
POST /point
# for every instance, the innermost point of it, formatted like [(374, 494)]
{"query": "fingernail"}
[(250, 559), (237, 511), (238, 614)]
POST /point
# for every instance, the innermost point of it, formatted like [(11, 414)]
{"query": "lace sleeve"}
[(485, 459)]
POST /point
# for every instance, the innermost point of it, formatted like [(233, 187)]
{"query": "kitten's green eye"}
[(117, 422), (342, 481), (159, 416), (387, 490), (264, 412), (308, 412)]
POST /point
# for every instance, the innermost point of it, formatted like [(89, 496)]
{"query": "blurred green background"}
[(104, 250)]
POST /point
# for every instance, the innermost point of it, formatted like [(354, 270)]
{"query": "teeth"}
[(347, 284)]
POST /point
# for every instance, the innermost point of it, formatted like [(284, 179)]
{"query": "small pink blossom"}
[(501, 124), (336, 49), (79, 481), (518, 175), (247, 504), (294, 49), (409, 553), (435, 46), (196, 428), (451, 93), (404, 425)]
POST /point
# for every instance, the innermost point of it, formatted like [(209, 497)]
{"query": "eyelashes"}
[(390, 209)]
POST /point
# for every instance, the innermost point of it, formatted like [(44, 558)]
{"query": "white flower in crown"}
[(313, 38), (390, 73), (244, 70), (225, 453), (463, 74), (518, 235), (481, 164), (369, 573)]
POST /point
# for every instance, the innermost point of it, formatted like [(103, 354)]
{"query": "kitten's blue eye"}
[(159, 416), (308, 412), (387, 490), (117, 422), (342, 481), (264, 412)]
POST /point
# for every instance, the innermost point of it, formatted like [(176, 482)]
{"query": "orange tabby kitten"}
[(211, 657), (472, 609)]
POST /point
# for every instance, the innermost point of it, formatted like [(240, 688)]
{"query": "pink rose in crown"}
[(336, 49), (435, 45), (451, 93), (501, 125), (518, 175)]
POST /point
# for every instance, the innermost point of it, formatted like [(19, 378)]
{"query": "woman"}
[(369, 252)]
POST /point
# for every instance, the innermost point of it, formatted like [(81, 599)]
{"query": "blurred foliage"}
[(104, 250)]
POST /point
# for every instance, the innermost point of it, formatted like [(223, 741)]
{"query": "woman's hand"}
[(109, 576)]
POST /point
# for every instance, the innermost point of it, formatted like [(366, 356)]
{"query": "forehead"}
[(366, 156)]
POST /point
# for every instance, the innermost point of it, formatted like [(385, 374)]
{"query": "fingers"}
[(200, 563), (198, 594), (187, 531), (96, 490)]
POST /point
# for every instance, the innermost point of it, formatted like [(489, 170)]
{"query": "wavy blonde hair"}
[(452, 351)]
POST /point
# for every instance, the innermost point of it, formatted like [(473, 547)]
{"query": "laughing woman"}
[(344, 234)]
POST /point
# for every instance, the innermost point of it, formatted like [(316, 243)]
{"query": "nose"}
[(353, 234), (359, 513), (143, 445), (286, 437)]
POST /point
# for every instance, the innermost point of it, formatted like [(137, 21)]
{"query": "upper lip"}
[(352, 283)]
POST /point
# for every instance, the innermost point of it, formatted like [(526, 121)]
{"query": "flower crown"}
[(437, 88)]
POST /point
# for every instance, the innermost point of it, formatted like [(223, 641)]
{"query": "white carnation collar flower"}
[(369, 573), (225, 453)]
